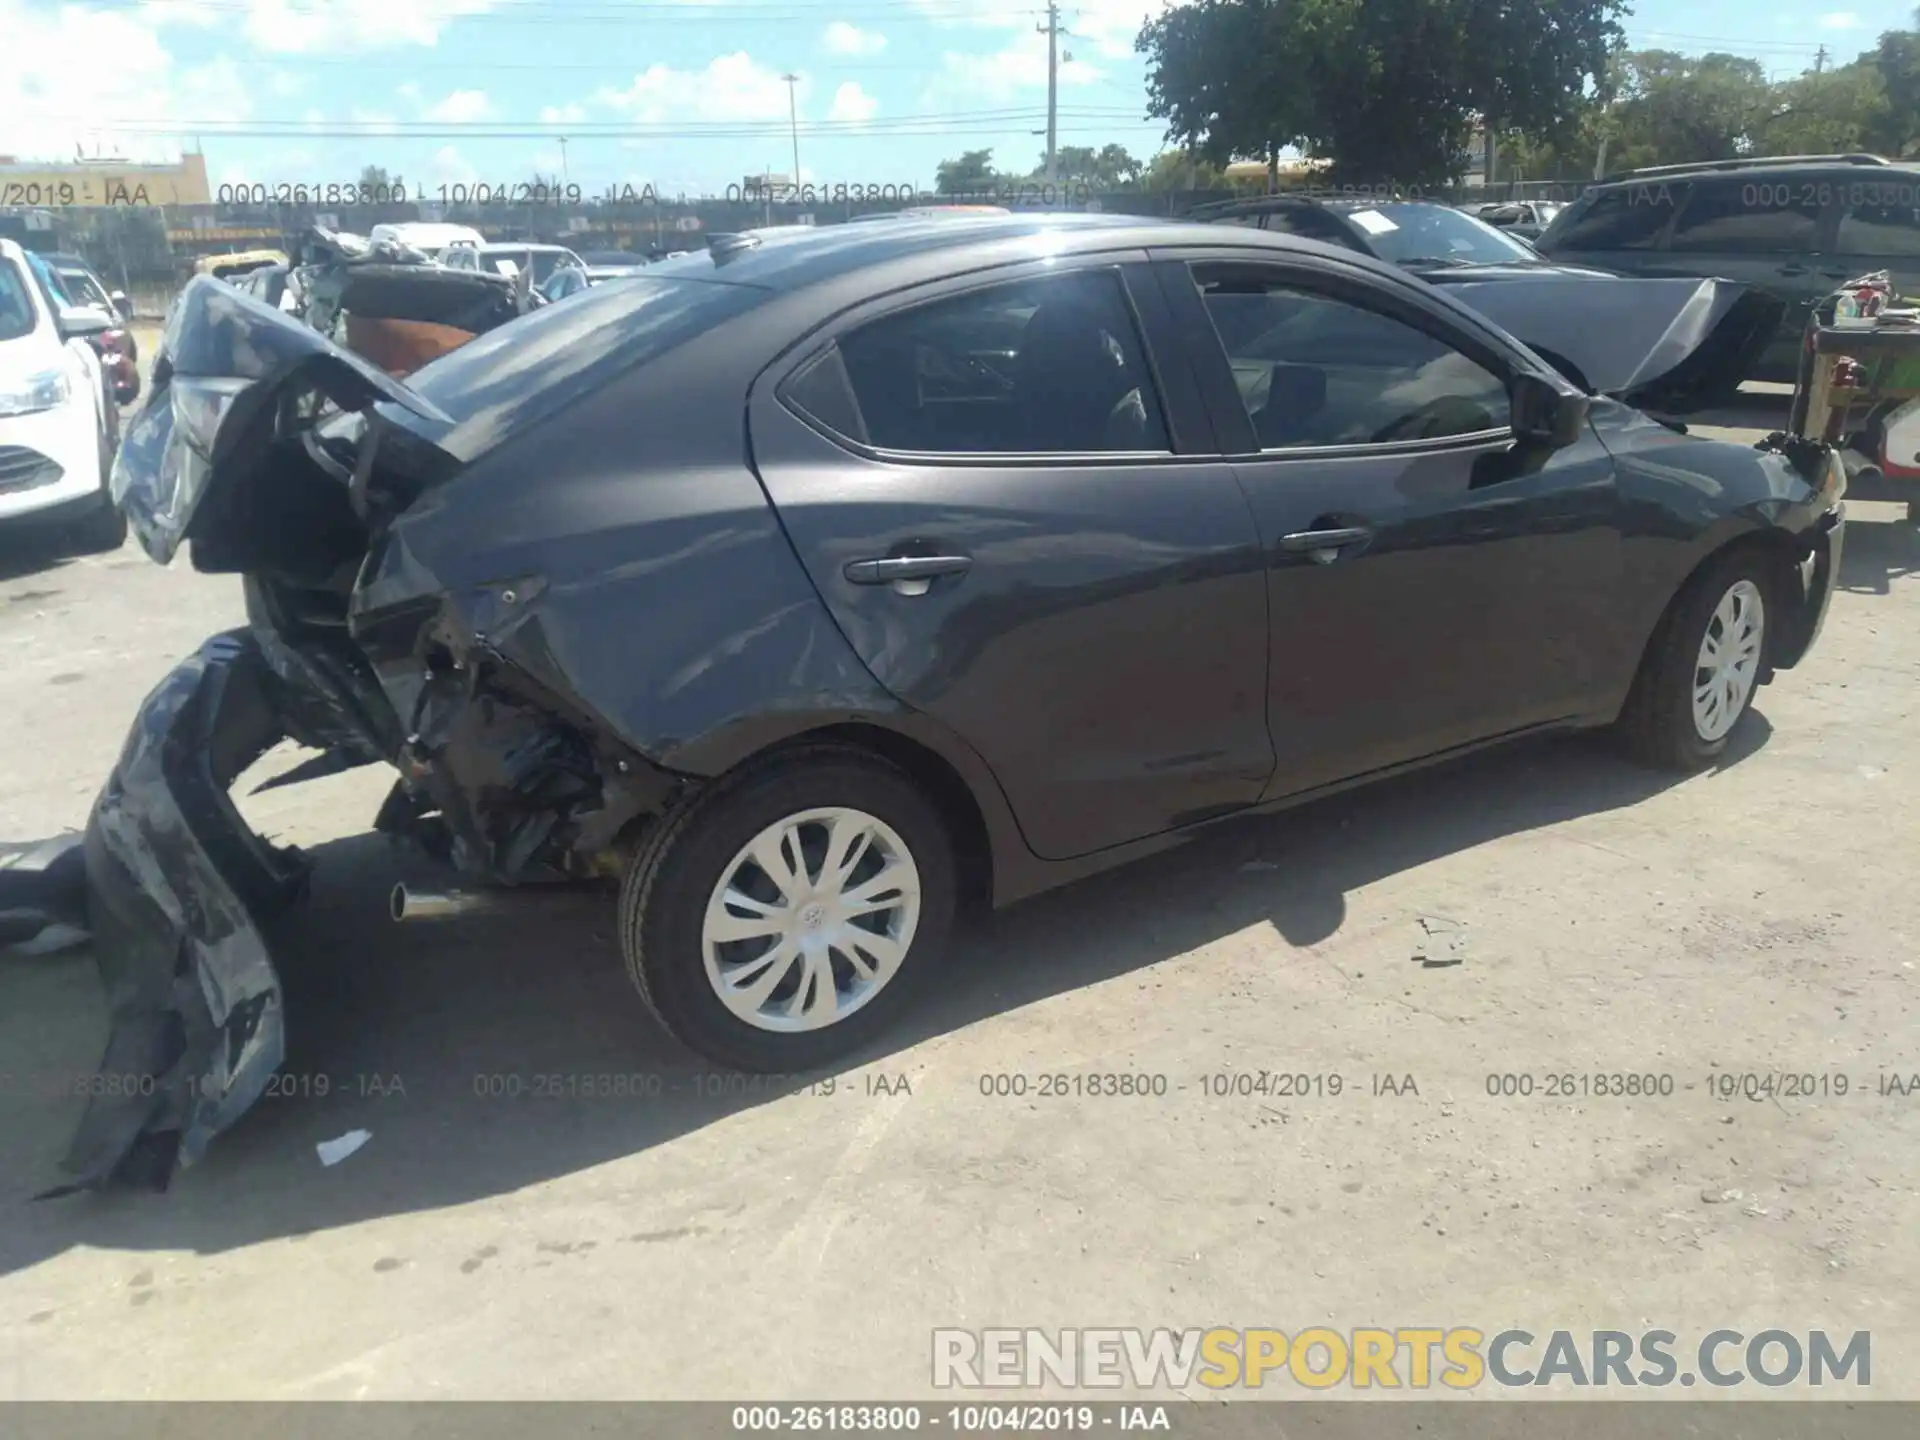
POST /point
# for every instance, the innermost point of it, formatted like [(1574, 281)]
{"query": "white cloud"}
[(568, 114), (462, 107), (285, 84), (844, 39), (731, 87), (1840, 20), (303, 26), (450, 167), (137, 107), (1021, 65), (851, 103)]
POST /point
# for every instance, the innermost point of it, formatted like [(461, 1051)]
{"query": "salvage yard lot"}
[(558, 1202)]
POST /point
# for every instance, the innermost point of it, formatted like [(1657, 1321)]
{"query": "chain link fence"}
[(150, 251)]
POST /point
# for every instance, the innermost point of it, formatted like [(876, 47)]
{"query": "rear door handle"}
[(909, 574), (1325, 545)]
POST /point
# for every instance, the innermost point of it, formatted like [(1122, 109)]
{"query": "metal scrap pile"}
[(393, 304)]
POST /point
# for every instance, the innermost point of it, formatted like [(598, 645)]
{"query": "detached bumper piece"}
[(177, 890)]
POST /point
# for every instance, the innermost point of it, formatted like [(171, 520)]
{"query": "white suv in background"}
[(56, 445)]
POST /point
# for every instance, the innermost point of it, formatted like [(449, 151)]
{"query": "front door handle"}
[(908, 574), (1325, 546)]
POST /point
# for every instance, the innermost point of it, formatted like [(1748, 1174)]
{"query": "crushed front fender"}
[(178, 890)]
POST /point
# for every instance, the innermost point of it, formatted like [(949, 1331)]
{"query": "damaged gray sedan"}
[(817, 585)]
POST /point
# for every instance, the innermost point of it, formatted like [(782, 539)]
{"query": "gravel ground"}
[(1574, 915)]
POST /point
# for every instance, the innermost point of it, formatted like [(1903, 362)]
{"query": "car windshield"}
[(16, 305), (85, 289), (1409, 232), (511, 262)]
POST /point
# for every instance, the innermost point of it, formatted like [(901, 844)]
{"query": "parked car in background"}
[(1434, 241), (119, 352), (1525, 219), (275, 285), (431, 238), (1793, 226), (512, 259), (1674, 345), (238, 263), (58, 425), (605, 264), (1050, 540)]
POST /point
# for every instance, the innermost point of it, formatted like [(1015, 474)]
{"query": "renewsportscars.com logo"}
[(1405, 1357)]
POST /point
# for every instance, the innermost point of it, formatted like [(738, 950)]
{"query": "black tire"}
[(1657, 725), (663, 900), (104, 528)]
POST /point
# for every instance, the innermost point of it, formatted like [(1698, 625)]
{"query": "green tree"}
[(1229, 76), (1109, 167), (374, 179), (1174, 170), (1831, 113), (1664, 108), (1389, 90), (968, 174), (1895, 129)]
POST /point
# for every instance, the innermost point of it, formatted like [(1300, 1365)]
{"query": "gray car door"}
[(1021, 531)]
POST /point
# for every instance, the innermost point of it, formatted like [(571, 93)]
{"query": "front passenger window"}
[(1313, 371)]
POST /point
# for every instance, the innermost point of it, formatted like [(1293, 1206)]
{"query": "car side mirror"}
[(122, 304), (83, 322), (1546, 413)]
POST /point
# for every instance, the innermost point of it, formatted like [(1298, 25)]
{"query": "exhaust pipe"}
[(405, 904)]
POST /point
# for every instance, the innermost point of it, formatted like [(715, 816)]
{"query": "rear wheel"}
[(1702, 667), (787, 915)]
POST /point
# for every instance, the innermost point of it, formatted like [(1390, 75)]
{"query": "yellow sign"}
[(104, 183)]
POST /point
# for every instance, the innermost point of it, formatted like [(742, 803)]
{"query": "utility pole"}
[(1052, 31), (1820, 60), (793, 125), (565, 174)]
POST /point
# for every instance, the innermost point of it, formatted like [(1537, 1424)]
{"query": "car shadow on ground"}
[(32, 550), (1877, 553), (434, 1035)]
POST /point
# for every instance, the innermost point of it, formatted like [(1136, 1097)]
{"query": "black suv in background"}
[(1795, 226)]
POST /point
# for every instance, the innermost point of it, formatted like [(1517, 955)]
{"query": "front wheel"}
[(785, 916), (1702, 668)]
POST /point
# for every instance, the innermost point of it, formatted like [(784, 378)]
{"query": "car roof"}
[(519, 245), (1747, 169), (782, 259)]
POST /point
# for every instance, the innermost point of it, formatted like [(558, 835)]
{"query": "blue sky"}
[(684, 94)]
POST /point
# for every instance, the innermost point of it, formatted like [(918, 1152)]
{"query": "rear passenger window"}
[(1045, 366), (1313, 370), (1749, 217), (1891, 229), (1630, 218)]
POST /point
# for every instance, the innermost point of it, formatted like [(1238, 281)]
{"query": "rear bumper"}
[(177, 891)]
